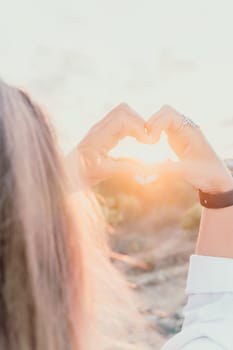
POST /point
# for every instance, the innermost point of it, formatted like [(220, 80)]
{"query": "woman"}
[(57, 288), (52, 274)]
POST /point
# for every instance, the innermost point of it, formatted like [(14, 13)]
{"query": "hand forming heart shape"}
[(199, 164), (119, 123)]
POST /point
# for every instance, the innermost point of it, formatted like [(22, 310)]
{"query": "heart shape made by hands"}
[(145, 180), (141, 154)]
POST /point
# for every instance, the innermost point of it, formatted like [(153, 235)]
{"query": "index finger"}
[(166, 119), (119, 123), (127, 122)]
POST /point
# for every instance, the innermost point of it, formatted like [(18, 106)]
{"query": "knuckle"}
[(122, 107), (119, 111), (152, 120)]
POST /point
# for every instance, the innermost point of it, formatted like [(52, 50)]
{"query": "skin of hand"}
[(94, 162), (198, 163), (201, 167)]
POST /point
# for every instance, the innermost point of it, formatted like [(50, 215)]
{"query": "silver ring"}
[(187, 122)]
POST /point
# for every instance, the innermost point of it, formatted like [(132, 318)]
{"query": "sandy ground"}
[(158, 275)]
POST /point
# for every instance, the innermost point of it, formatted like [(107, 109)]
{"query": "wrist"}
[(220, 196), (76, 170), (222, 186), (221, 180), (215, 235)]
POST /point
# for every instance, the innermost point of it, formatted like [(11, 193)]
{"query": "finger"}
[(166, 119), (132, 124), (155, 126), (122, 121)]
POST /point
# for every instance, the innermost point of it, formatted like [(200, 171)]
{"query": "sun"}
[(149, 154)]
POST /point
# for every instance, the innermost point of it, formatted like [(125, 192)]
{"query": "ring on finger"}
[(187, 122)]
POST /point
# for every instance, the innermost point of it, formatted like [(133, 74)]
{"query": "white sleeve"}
[(208, 315)]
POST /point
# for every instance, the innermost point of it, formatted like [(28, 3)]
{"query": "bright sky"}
[(81, 58)]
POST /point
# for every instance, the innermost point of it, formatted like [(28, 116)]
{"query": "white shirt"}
[(208, 315)]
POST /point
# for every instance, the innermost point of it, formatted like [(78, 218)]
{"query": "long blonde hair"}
[(38, 253), (53, 275)]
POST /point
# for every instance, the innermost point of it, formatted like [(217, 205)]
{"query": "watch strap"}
[(216, 200)]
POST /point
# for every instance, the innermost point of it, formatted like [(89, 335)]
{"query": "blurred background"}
[(80, 59)]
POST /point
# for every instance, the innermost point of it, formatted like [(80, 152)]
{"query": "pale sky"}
[(81, 58)]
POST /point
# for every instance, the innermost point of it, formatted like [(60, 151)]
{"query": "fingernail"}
[(147, 128)]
